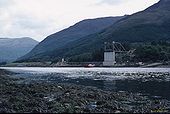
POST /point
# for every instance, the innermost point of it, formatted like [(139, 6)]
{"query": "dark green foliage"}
[(153, 52), (147, 53), (98, 55), (95, 56), (81, 58)]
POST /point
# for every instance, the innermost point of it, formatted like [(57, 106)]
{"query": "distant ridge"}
[(13, 48)]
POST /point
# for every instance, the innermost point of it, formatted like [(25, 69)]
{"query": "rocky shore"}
[(70, 98)]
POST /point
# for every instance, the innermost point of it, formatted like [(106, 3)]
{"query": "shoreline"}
[(161, 66), (86, 65), (71, 98)]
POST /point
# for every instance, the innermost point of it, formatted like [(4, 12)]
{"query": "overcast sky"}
[(40, 18)]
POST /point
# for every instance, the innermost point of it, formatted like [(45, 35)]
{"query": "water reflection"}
[(154, 88), (152, 82), (151, 87)]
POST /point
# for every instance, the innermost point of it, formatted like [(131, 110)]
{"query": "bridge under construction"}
[(110, 51)]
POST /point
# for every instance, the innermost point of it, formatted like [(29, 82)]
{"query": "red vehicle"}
[(90, 65)]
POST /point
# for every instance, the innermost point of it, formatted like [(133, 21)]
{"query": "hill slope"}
[(152, 24), (11, 49), (62, 39)]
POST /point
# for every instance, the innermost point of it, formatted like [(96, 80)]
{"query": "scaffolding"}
[(110, 50)]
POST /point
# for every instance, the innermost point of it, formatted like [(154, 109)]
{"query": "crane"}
[(110, 50)]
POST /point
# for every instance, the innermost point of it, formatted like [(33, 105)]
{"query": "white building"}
[(109, 54), (109, 59)]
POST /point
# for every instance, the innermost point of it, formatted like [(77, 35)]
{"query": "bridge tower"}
[(110, 50)]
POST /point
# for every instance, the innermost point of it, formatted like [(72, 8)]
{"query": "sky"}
[(40, 18)]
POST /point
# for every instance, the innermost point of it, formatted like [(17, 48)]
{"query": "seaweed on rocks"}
[(70, 98)]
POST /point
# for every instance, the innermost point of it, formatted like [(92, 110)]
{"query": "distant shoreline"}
[(161, 66), (88, 65)]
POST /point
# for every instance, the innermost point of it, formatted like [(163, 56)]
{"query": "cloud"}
[(5, 3), (40, 18), (112, 2), (28, 22)]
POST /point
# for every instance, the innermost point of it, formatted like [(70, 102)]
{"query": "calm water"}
[(154, 82)]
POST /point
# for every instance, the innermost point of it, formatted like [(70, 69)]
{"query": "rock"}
[(117, 111), (43, 97), (59, 87)]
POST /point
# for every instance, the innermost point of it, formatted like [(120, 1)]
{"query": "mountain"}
[(152, 24), (62, 39), (148, 25), (13, 48)]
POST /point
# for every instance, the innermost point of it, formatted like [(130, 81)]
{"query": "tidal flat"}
[(43, 97)]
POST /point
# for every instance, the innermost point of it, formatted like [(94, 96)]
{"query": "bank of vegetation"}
[(144, 52)]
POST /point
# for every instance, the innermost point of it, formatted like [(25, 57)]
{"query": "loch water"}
[(152, 82)]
